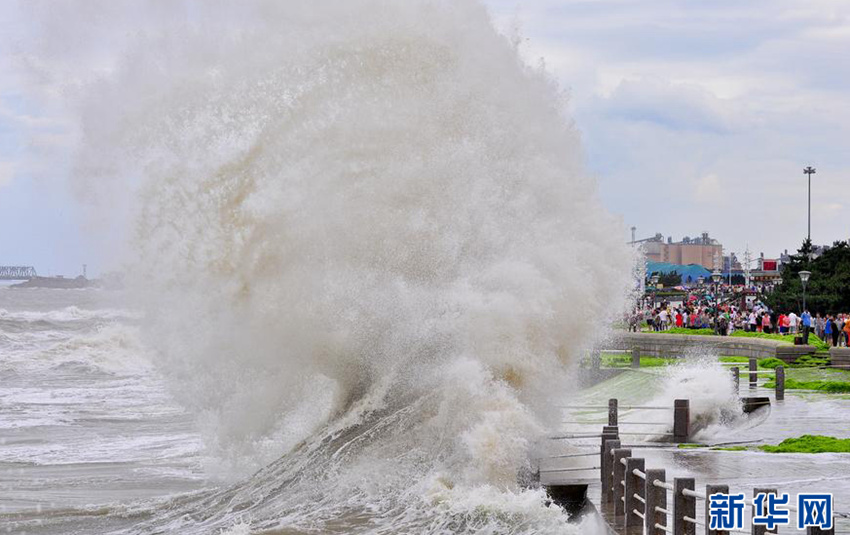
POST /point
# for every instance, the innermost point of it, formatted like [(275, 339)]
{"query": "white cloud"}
[(7, 172), (708, 189), (681, 103)]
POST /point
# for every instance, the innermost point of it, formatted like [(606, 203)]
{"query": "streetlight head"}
[(716, 276), (804, 276), (809, 171)]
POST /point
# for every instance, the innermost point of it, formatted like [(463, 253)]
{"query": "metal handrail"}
[(621, 407), (693, 494), (570, 422), (569, 469), (663, 485), (569, 456)]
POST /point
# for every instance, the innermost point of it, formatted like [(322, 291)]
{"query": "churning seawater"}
[(85, 420), (361, 254), (92, 442)]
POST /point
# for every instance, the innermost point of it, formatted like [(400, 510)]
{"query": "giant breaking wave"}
[(366, 249)]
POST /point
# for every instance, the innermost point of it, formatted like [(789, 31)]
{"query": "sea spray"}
[(701, 379), (362, 238)]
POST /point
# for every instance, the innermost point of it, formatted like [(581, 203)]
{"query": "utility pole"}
[(747, 260), (810, 171)]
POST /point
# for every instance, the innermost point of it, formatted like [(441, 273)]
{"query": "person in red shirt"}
[(679, 318)]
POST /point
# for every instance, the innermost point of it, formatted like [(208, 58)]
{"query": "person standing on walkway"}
[(827, 330), (836, 331), (847, 331), (806, 320)]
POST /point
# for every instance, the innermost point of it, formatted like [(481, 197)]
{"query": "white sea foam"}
[(714, 404), (67, 314)]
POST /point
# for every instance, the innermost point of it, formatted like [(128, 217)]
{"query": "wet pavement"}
[(800, 413)]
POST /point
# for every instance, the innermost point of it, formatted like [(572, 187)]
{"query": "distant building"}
[(704, 251), (767, 270), (732, 264), (817, 252)]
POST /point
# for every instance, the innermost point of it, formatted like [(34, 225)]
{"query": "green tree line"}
[(828, 289)]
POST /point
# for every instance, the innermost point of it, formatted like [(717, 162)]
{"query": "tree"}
[(828, 290)]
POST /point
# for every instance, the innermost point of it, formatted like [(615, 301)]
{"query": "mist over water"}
[(364, 247)]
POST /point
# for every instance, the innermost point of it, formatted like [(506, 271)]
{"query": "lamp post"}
[(810, 171), (804, 278), (716, 276), (654, 280)]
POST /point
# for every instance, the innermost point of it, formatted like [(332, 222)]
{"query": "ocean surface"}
[(91, 441), (85, 420)]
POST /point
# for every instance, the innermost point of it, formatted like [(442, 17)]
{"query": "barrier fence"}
[(644, 502), (753, 372)]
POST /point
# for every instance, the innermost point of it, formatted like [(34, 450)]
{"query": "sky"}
[(695, 116)]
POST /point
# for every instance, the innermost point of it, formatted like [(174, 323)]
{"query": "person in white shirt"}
[(793, 321)]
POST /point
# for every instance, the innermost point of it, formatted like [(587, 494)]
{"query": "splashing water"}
[(365, 247), (714, 405)]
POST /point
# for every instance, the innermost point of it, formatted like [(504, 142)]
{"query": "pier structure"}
[(17, 273)]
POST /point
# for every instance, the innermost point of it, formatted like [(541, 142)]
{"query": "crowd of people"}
[(834, 329)]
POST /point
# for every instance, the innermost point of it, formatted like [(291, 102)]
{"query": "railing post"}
[(619, 489), (754, 377), (612, 411), (655, 497), (634, 484), (736, 379), (635, 357), (780, 383), (681, 420), (683, 506), (709, 490), (609, 433), (762, 529), (608, 469)]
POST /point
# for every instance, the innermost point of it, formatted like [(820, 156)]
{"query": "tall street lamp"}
[(804, 278), (716, 276), (810, 171), (654, 280)]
